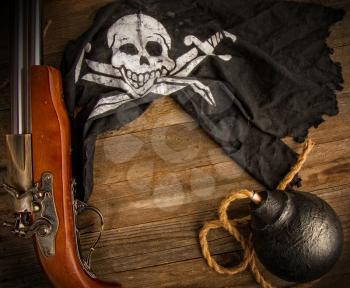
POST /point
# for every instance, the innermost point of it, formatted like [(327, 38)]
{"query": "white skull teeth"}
[(138, 80), (140, 47)]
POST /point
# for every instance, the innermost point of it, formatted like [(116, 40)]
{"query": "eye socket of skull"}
[(154, 48), (129, 49)]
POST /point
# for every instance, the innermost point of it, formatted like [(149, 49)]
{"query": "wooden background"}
[(160, 178)]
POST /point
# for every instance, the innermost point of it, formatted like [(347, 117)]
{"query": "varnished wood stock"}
[(51, 153)]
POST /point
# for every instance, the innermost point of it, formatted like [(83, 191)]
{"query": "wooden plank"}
[(69, 20), (176, 239), (193, 273), (173, 187), (140, 249), (137, 155)]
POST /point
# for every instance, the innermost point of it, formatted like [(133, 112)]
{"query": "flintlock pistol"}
[(39, 173)]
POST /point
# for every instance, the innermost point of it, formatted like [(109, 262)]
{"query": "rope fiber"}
[(230, 225)]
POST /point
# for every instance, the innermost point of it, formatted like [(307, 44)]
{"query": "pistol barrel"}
[(26, 51)]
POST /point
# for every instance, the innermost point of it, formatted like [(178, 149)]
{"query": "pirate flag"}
[(249, 72)]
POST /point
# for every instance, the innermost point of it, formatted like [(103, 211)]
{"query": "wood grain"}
[(158, 179)]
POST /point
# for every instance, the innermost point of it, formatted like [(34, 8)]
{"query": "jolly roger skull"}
[(140, 62), (140, 46)]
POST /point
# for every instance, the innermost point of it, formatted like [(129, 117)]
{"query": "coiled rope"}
[(230, 225)]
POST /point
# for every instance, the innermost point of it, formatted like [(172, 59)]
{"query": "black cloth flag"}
[(250, 72)]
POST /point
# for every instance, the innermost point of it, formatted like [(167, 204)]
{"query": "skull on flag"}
[(141, 64)]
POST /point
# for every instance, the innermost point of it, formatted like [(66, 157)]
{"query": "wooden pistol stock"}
[(52, 165)]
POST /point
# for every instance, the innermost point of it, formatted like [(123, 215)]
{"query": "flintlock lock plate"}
[(46, 218)]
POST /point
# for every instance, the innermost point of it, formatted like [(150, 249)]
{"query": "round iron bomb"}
[(296, 235)]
